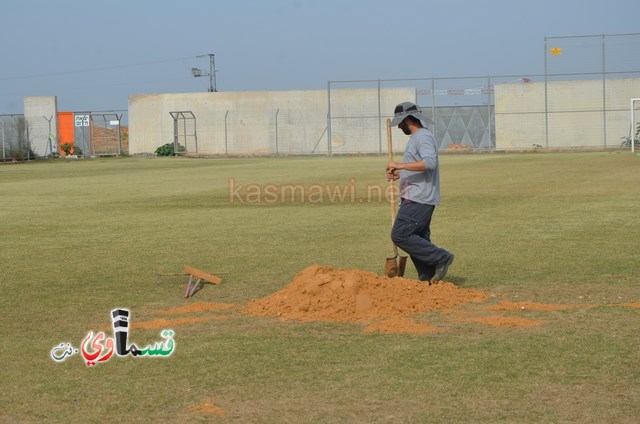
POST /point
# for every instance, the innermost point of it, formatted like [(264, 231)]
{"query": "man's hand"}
[(392, 167)]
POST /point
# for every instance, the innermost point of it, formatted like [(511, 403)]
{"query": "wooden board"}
[(202, 275)]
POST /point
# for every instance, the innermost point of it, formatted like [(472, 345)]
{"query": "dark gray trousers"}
[(412, 233)]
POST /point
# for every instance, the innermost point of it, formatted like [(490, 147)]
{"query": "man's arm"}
[(418, 166)]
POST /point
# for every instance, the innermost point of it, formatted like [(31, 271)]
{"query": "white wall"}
[(250, 120), (575, 118), (37, 109)]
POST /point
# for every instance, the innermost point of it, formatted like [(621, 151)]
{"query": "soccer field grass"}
[(80, 238)]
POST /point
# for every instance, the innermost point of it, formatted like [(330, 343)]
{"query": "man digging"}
[(419, 194)]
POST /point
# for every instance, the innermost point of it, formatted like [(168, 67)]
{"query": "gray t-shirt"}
[(421, 187)]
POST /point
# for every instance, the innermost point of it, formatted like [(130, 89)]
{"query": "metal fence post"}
[(433, 106), (105, 136), (226, 146), (631, 133), (184, 132), (175, 136), (329, 119), (49, 144), (195, 131), (4, 157), (28, 140), (379, 121), (277, 112), (489, 111), (119, 118), (604, 92), (546, 105)]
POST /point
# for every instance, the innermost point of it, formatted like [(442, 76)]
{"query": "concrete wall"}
[(265, 122), (37, 109), (575, 118)]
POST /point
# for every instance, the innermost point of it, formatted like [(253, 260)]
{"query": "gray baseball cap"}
[(405, 109)]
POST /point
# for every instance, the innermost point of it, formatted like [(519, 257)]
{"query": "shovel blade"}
[(402, 263), (391, 267)]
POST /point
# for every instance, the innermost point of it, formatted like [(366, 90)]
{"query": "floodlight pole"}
[(212, 72)]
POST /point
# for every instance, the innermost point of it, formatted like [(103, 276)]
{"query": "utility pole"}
[(196, 72)]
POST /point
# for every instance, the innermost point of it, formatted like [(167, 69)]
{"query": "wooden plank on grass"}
[(201, 274)]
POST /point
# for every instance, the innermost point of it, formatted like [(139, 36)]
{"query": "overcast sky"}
[(92, 54)]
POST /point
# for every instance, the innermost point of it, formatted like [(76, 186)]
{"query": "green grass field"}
[(79, 238)]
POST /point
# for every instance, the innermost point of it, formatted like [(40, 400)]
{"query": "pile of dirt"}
[(381, 304), (105, 139), (320, 293)]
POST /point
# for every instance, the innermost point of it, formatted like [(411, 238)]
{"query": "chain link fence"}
[(589, 81), (582, 100), (108, 134), (90, 133), (102, 133), (460, 111), (14, 139)]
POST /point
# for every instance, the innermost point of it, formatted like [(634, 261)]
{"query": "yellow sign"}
[(556, 51)]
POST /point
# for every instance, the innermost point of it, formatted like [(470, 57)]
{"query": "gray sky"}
[(92, 55)]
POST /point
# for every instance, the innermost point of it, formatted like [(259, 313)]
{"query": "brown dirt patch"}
[(530, 306), (207, 407), (199, 307), (321, 293), (504, 321), (383, 305), (400, 325), (458, 147), (171, 323)]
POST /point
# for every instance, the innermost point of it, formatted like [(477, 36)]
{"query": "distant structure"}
[(197, 72)]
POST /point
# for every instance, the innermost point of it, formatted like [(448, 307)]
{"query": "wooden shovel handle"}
[(389, 142), (392, 200)]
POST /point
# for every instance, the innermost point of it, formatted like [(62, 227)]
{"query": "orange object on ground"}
[(66, 129), (320, 293)]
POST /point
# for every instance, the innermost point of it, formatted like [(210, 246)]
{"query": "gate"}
[(105, 134), (184, 129)]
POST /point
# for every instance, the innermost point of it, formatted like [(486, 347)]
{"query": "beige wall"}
[(251, 118), (575, 113), (36, 108)]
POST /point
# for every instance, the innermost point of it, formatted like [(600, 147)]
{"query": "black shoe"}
[(441, 268)]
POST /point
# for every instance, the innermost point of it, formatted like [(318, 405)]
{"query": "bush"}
[(168, 150), (71, 149)]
